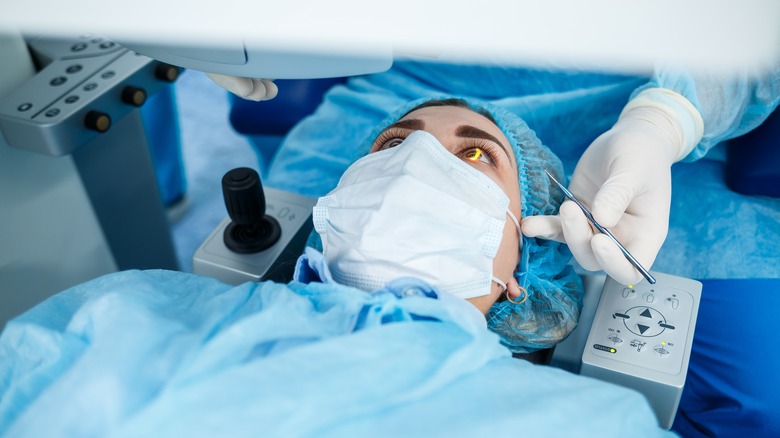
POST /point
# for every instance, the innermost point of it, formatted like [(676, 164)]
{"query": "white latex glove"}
[(624, 178), (247, 88)]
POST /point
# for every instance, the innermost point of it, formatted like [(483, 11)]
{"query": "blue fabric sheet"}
[(160, 353)]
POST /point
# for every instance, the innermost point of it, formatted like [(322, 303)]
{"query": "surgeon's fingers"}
[(262, 89), (239, 86), (246, 88), (615, 264), (613, 198), (578, 233), (544, 227), (271, 89)]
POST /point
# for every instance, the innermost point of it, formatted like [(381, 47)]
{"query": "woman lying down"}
[(403, 325)]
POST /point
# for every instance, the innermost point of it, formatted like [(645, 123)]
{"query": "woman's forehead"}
[(454, 115)]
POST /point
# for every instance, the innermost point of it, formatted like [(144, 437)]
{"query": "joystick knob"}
[(251, 230)]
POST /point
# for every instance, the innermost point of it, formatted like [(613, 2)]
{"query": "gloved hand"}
[(247, 88), (624, 177)]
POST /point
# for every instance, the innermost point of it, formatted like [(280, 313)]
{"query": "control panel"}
[(82, 86), (214, 258), (641, 337)]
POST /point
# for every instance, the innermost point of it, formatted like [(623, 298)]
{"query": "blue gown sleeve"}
[(729, 105)]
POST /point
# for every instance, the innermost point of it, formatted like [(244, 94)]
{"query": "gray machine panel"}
[(47, 113), (77, 203), (641, 338)]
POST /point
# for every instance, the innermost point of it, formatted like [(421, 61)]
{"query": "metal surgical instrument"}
[(603, 230)]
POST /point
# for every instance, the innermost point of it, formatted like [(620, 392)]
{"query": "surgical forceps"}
[(603, 230)]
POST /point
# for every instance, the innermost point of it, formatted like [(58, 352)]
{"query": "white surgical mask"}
[(415, 210)]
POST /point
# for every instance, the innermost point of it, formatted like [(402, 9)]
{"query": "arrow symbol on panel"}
[(646, 314), (642, 328)]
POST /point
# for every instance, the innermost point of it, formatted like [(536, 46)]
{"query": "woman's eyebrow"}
[(468, 131), (410, 124)]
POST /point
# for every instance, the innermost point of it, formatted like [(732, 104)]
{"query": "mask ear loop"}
[(523, 268), (496, 279)]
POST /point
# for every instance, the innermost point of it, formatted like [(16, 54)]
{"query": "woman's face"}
[(480, 143)]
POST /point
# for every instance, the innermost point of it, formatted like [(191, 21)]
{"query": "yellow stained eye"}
[(477, 154)]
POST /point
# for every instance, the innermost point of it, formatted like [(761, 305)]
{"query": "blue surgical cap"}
[(554, 290)]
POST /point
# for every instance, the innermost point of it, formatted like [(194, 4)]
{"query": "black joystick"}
[(251, 229)]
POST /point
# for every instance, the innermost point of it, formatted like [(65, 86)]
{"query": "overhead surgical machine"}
[(77, 182)]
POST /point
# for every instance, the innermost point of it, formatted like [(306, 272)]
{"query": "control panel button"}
[(645, 321), (616, 339), (107, 45), (629, 293), (166, 72), (108, 74), (75, 68), (71, 99), (661, 351), (25, 107), (133, 96), (649, 298), (78, 47), (59, 80), (673, 302), (97, 121), (52, 112), (90, 86), (638, 345)]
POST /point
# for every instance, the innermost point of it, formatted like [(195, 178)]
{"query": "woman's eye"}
[(391, 143), (478, 154)]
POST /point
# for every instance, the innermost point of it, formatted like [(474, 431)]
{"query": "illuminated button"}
[(97, 121), (629, 293), (650, 298), (604, 348)]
